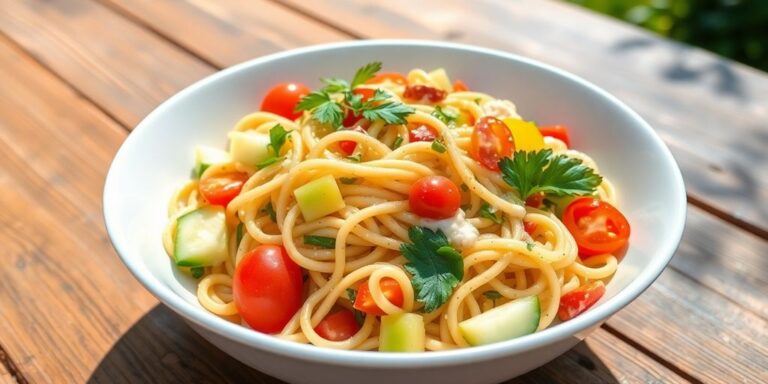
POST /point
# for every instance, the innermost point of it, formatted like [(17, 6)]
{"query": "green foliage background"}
[(737, 29)]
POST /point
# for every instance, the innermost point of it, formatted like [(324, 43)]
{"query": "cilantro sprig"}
[(437, 267), (328, 108), (541, 171)]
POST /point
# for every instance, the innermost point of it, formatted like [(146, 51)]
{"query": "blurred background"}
[(737, 29)]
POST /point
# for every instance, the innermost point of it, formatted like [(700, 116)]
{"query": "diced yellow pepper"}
[(527, 137)]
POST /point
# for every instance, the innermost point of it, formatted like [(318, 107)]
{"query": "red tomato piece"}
[(421, 132), (424, 94), (460, 86), (529, 227), (535, 200), (348, 146), (338, 326), (221, 189), (267, 288), (434, 197), (393, 77), (491, 140), (282, 99), (597, 226), (350, 119), (558, 132), (580, 299), (364, 301)]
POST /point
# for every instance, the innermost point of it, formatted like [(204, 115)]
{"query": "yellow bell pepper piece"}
[(527, 137)]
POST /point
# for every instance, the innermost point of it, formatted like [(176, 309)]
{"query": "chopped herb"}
[(197, 272), (365, 73), (359, 316), (269, 210), (269, 161), (348, 180), (540, 171), (351, 294), (277, 136), (437, 268), (529, 245), (447, 116), (239, 233), (489, 213), (438, 147), (492, 295), (477, 101), (464, 187), (320, 241), (356, 157), (398, 142)]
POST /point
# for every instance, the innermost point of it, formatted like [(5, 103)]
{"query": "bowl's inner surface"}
[(159, 155)]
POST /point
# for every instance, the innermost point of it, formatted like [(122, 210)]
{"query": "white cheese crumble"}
[(460, 232), (500, 109)]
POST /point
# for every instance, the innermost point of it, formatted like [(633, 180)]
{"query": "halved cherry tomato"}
[(389, 287), (421, 132), (491, 140), (535, 200), (338, 326), (282, 99), (221, 189), (558, 132), (267, 288), (580, 299), (460, 86), (434, 197), (388, 76), (597, 226), (424, 94), (348, 146), (529, 227)]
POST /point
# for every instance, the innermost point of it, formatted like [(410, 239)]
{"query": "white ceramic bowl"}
[(157, 156)]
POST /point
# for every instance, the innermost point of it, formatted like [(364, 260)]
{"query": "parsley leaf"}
[(391, 112), (447, 116), (329, 113), (365, 73), (437, 268), (277, 136), (540, 171), (320, 241), (313, 100), (333, 85), (487, 212)]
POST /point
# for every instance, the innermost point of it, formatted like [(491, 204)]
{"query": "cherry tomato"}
[(460, 86), (421, 132), (434, 197), (580, 299), (267, 288), (364, 301), (491, 140), (350, 119), (282, 99), (535, 200), (338, 326), (393, 77), (348, 146), (558, 132), (597, 226), (424, 94), (221, 189), (529, 227)]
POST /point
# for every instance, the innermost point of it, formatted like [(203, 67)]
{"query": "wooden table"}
[(77, 75)]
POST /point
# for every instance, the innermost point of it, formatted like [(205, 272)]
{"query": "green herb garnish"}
[(438, 147), (269, 210), (541, 171), (320, 241), (437, 267), (489, 213), (447, 116)]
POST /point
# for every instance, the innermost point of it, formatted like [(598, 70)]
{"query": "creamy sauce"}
[(460, 232), (500, 109)]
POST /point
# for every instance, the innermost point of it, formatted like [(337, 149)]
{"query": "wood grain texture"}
[(125, 68), (695, 100), (229, 31), (65, 324)]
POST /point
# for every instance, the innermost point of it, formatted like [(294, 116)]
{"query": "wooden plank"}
[(63, 277), (126, 69), (229, 31), (710, 111)]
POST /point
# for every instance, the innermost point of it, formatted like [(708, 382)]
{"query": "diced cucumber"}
[(514, 319), (249, 148), (403, 332), (319, 198), (201, 238), (440, 77), (207, 156)]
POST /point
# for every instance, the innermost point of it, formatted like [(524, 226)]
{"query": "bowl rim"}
[(242, 335)]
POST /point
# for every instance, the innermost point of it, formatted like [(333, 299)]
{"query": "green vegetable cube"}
[(319, 198)]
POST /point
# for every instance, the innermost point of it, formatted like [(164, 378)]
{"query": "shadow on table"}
[(161, 348)]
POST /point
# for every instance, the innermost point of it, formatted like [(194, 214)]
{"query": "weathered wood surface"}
[(78, 74)]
